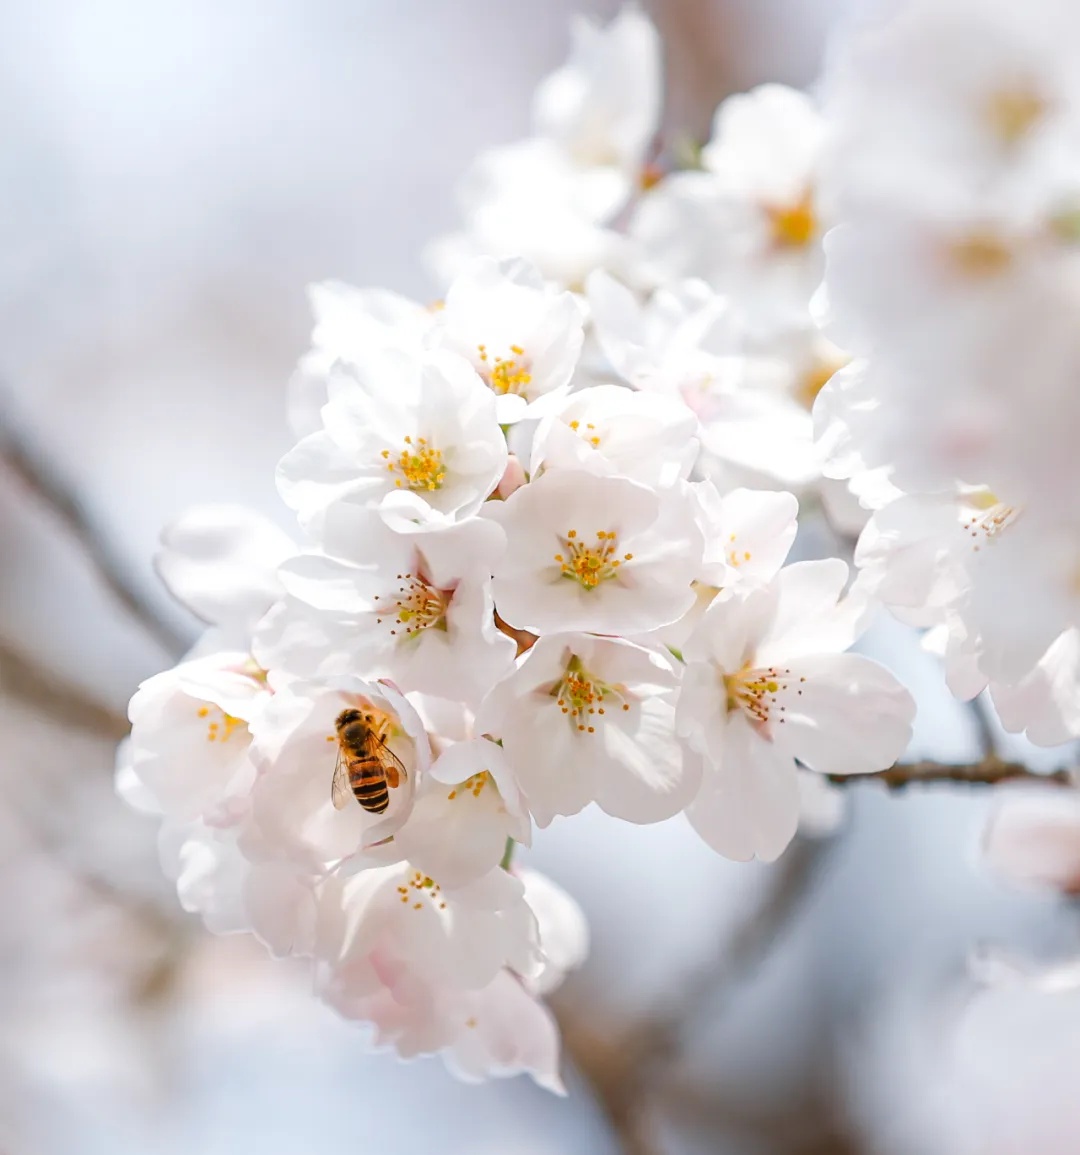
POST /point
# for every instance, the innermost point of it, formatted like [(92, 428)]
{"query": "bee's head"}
[(348, 716)]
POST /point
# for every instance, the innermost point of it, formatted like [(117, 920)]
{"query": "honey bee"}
[(366, 767)]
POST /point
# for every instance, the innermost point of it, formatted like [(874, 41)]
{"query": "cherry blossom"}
[(589, 719), (595, 553), (766, 684), (414, 436), (415, 606)]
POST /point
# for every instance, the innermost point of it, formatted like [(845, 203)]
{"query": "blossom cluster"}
[(954, 176), (540, 564)]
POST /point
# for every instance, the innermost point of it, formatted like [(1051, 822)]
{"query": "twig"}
[(24, 458), (624, 1066), (39, 688), (990, 771)]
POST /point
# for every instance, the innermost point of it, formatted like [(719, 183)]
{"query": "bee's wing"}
[(392, 765), (340, 790)]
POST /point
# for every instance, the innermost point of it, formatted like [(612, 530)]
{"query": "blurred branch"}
[(39, 688), (990, 771), (25, 459), (625, 1065)]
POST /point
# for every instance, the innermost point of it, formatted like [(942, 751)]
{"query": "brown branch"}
[(990, 771), (625, 1065), (27, 462), (38, 688)]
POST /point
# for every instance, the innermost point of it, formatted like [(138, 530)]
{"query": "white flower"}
[(466, 809), (296, 749), (414, 437), (615, 431), (214, 878), (685, 342), (765, 685), (588, 719), (603, 105), (551, 198), (749, 223), (530, 200), (498, 1031), (748, 534), (350, 324), (414, 607), (595, 553), (190, 739), (522, 337), (220, 561), (397, 926)]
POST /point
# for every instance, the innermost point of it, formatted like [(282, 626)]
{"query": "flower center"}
[(419, 465), (419, 887), (794, 226), (816, 378), (473, 785), (992, 517), (582, 697), (220, 726), (980, 255), (736, 556), (1012, 112), (756, 691), (506, 374), (415, 605), (588, 434), (591, 564)]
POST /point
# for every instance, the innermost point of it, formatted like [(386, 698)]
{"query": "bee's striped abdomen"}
[(368, 784)]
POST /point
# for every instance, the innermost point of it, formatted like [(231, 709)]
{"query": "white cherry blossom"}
[(615, 431), (686, 342), (766, 684), (414, 606), (350, 323), (190, 744), (749, 221), (523, 337), (602, 554), (589, 719), (413, 436), (552, 197), (395, 925), (603, 105), (276, 901), (296, 749), (463, 814)]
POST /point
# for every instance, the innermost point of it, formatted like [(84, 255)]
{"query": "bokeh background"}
[(173, 174)]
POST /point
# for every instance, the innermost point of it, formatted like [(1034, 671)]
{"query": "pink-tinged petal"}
[(1034, 838), (849, 716), (506, 1032), (1046, 704), (749, 803)]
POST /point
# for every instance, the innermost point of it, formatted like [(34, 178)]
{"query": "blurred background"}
[(173, 175)]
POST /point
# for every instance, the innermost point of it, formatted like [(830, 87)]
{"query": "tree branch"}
[(24, 458), (625, 1065), (989, 771), (40, 689)]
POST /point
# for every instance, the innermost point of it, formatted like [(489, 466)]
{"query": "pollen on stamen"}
[(420, 465)]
